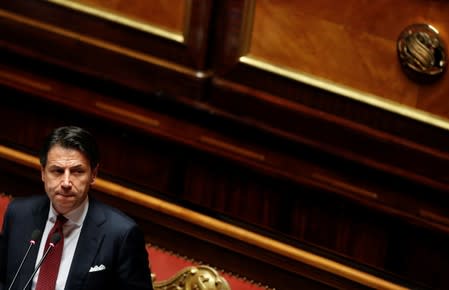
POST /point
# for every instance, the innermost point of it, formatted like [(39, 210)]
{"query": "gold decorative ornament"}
[(421, 52), (194, 278)]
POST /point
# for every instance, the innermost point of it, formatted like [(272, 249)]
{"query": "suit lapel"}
[(90, 240)]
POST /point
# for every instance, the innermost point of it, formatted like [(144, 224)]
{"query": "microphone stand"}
[(55, 239), (34, 236)]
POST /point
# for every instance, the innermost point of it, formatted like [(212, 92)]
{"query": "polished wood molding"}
[(173, 19), (346, 186), (19, 157), (102, 44), (120, 112), (232, 148), (21, 81), (430, 215)]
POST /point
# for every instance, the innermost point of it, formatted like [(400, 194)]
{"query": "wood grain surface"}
[(165, 14), (350, 43)]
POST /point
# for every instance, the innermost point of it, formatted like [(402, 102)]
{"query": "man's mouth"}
[(65, 194)]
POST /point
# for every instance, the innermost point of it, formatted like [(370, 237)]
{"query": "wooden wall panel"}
[(108, 49), (63, 23), (245, 195), (285, 88), (350, 43)]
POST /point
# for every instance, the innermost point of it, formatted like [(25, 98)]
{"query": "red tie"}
[(50, 267)]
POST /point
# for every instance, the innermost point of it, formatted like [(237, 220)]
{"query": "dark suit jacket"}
[(108, 237)]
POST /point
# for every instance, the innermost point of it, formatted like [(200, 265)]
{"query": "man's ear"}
[(94, 174), (42, 173)]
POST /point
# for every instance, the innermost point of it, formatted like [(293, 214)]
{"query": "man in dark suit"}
[(102, 247)]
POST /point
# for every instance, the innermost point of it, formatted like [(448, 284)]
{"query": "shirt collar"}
[(75, 216)]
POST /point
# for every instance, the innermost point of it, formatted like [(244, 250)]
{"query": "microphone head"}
[(55, 238), (36, 235)]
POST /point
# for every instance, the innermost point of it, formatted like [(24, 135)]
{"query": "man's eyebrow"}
[(54, 166), (78, 166)]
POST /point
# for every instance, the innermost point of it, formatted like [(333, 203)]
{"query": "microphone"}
[(35, 236), (55, 238)]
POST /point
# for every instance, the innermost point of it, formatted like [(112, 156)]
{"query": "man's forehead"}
[(58, 155)]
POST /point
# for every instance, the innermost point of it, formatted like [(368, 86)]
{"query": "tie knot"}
[(61, 220)]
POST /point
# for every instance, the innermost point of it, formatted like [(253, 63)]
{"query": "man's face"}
[(67, 178)]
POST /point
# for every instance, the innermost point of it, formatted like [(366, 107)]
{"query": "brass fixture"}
[(421, 52)]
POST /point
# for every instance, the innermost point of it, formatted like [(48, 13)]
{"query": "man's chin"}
[(63, 204)]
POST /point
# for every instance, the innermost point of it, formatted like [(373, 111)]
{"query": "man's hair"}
[(71, 137)]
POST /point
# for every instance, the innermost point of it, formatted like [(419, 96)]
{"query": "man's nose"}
[(66, 182)]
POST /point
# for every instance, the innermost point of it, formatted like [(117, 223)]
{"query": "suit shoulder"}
[(115, 216), (28, 202)]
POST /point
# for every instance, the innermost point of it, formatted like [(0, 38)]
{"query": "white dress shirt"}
[(71, 230)]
